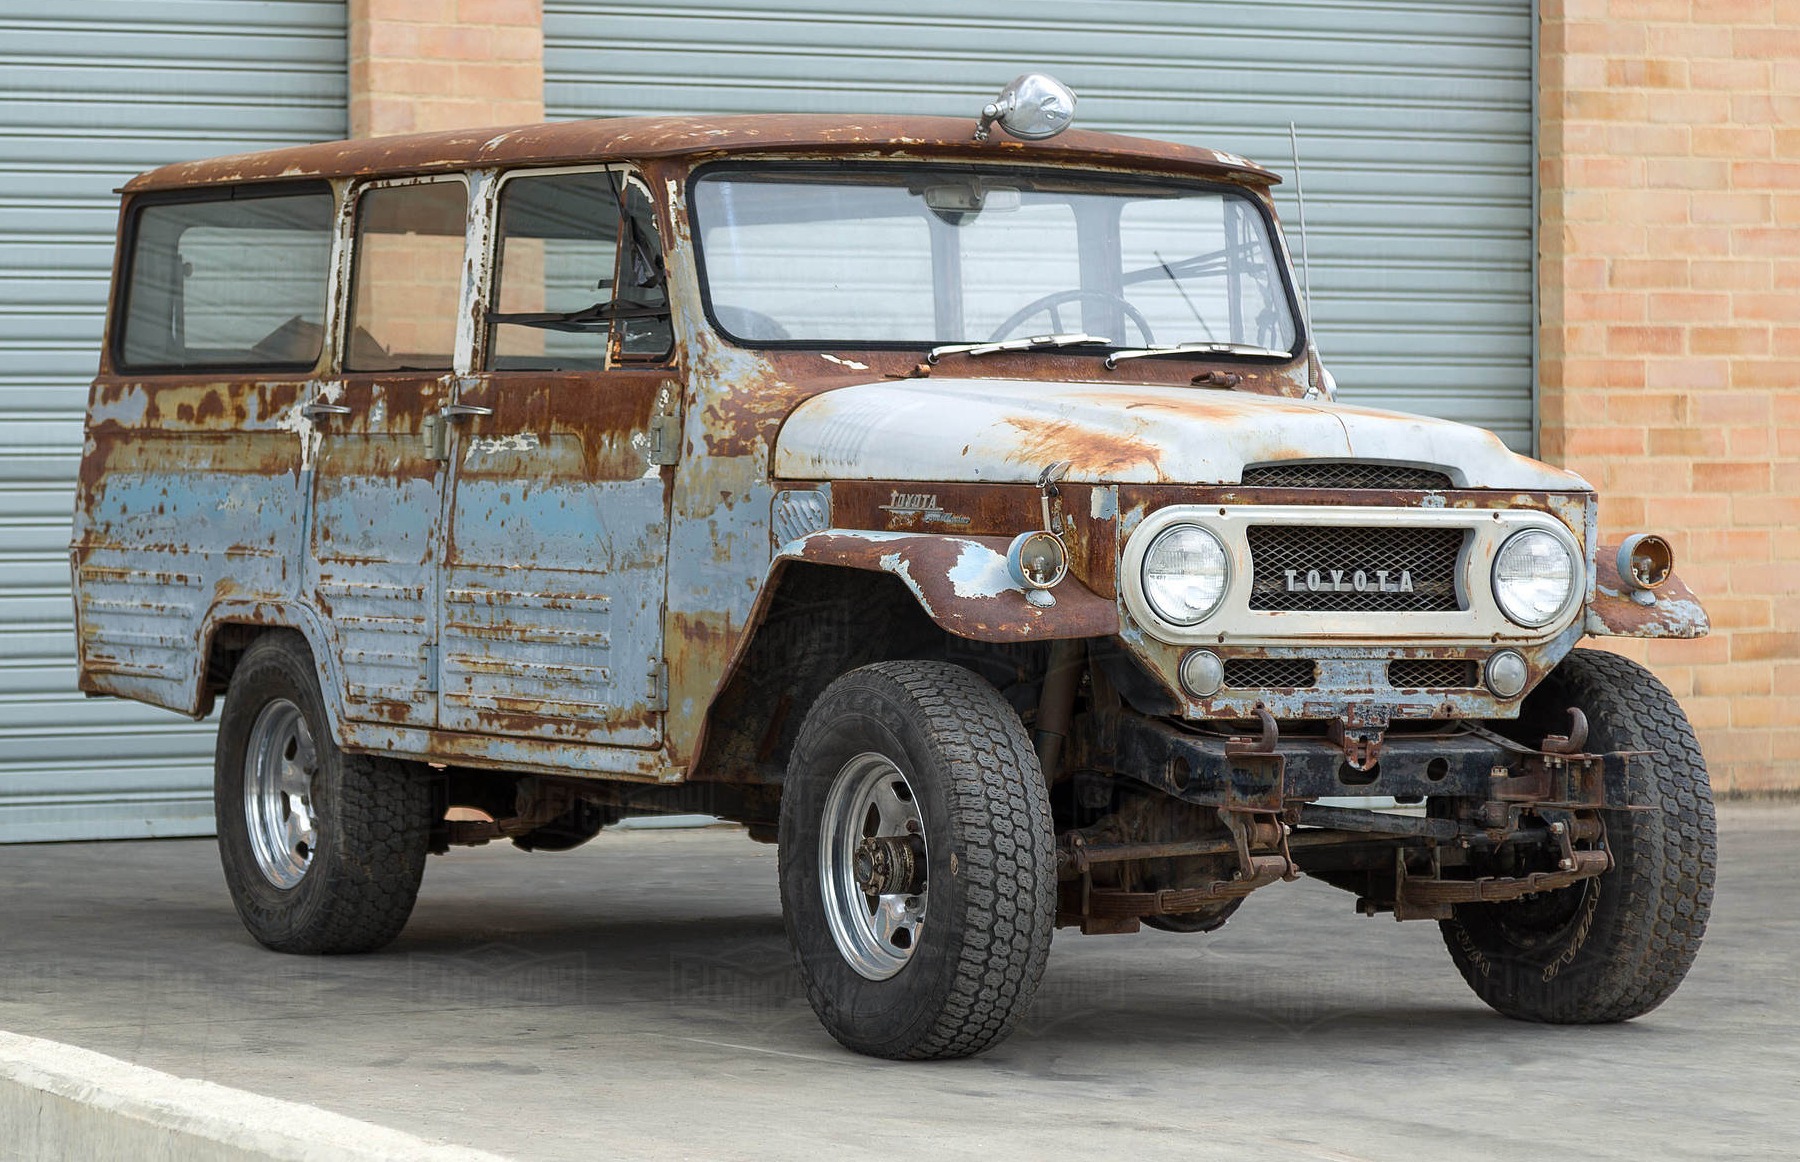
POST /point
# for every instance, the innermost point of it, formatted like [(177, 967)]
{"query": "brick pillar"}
[(420, 65), (1670, 246)]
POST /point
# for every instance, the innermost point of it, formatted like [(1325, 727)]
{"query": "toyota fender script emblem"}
[(1348, 581), (922, 506)]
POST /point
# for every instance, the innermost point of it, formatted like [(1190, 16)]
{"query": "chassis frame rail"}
[(1269, 774)]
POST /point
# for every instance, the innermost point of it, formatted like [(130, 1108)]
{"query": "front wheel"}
[(323, 851), (918, 879), (1615, 946)]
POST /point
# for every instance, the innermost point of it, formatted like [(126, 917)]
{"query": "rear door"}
[(554, 561), (377, 488)]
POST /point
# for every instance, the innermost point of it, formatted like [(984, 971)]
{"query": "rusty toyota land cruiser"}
[(960, 504)]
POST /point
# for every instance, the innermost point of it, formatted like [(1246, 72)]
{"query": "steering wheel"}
[(1056, 299)]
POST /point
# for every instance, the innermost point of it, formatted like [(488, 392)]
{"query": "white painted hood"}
[(998, 430)]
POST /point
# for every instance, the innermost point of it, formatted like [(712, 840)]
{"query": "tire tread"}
[(1669, 858), (1002, 810)]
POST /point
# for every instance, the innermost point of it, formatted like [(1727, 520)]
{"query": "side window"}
[(578, 275), (228, 282), (407, 264)]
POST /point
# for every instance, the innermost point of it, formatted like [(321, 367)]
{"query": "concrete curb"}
[(59, 1102)]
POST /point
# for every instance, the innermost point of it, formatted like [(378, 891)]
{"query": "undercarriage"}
[(1172, 822)]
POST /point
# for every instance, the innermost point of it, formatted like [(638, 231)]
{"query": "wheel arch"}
[(817, 620), (231, 627)]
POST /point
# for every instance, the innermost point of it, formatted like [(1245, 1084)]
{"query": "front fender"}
[(1676, 612), (962, 584)]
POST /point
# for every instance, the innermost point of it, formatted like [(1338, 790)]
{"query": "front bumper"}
[(1267, 773)]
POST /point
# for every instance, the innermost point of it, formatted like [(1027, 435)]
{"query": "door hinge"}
[(665, 439), (659, 687), (431, 667), (436, 435)]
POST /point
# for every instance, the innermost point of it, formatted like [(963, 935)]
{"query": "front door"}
[(554, 556), (377, 491)]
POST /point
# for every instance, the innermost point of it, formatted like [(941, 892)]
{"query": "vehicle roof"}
[(643, 138)]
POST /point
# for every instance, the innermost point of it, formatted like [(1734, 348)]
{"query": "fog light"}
[(1645, 561), (1507, 674), (1037, 560), (1202, 673)]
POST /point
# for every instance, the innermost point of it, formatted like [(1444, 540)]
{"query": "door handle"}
[(436, 429), (315, 409)]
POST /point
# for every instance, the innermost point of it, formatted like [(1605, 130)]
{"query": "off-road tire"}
[(990, 861), (373, 819), (1614, 947)]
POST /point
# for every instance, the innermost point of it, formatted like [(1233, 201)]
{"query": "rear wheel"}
[(1615, 946), (918, 879), (323, 851)]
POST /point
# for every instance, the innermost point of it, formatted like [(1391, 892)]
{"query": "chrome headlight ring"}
[(1185, 574), (1536, 577)]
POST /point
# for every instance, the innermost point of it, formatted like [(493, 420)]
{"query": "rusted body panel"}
[(1673, 612), (1088, 517), (553, 560), (1116, 433), (644, 139), (191, 499), (962, 584)]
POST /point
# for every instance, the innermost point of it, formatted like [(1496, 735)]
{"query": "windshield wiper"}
[(599, 316), (1114, 359), (1064, 339)]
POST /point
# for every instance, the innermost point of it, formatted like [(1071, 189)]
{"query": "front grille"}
[(1343, 474), (1432, 674), (1307, 568), (1267, 673)]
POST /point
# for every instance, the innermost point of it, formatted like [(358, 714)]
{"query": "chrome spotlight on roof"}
[(1032, 107)]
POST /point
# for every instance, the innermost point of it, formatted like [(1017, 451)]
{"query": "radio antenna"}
[(1319, 383), (1300, 197)]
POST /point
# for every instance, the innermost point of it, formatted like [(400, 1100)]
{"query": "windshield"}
[(905, 255)]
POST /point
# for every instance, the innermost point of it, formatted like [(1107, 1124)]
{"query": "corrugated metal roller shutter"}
[(1416, 124), (92, 91)]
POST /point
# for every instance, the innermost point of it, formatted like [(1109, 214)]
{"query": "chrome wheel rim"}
[(872, 860), (278, 793)]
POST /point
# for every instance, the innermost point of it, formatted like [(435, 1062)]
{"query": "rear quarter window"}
[(227, 282)]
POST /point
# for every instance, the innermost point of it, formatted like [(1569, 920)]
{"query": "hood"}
[(1007, 431)]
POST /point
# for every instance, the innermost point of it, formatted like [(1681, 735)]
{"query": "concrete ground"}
[(636, 999)]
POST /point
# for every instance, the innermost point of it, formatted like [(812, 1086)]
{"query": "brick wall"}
[(420, 65), (1670, 144)]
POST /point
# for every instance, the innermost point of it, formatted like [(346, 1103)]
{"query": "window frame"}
[(1277, 243), (490, 271), (120, 314), (344, 299)]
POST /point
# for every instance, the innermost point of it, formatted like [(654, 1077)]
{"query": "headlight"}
[(1534, 576), (1185, 571)]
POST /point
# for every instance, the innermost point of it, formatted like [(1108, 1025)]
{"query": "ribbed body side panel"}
[(1415, 124), (93, 92)]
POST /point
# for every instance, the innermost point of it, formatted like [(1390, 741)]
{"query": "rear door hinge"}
[(659, 687), (665, 439)]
